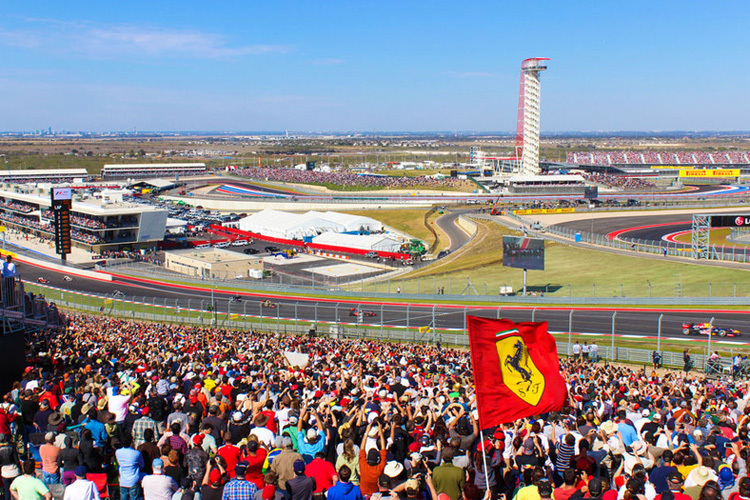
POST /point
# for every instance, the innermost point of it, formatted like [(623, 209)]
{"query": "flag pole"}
[(476, 398), (484, 455)]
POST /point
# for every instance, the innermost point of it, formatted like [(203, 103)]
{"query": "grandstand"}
[(145, 170), (692, 158), (50, 175)]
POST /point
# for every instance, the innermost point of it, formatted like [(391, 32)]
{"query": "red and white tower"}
[(527, 126)]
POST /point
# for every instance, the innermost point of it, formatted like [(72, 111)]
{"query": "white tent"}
[(289, 225), (378, 242)]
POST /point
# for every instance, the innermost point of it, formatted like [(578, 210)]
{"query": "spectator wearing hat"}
[(196, 458), (41, 418), (9, 463), (239, 488), (158, 486), (301, 486), (371, 463), (27, 486), (448, 478), (260, 430), (545, 489), (98, 431), (218, 424), (283, 463), (82, 488), (323, 472), (131, 463), (344, 489), (384, 490), (314, 440), (660, 473), (50, 455), (140, 426), (674, 487), (212, 487)]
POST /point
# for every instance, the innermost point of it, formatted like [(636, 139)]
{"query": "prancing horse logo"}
[(520, 374)]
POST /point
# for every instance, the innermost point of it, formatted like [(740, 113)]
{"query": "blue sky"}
[(386, 66)]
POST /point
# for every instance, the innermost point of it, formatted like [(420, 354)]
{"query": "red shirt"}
[(323, 472), (271, 424), (231, 455)]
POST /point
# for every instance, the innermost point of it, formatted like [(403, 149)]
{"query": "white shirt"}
[(576, 348), (118, 405), (264, 435), (9, 270), (81, 489)]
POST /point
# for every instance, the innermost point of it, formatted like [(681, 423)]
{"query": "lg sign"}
[(730, 220)]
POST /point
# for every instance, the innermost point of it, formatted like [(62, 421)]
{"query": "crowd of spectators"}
[(88, 222), (17, 206), (618, 181), (606, 158), (345, 178), (33, 223), (165, 411)]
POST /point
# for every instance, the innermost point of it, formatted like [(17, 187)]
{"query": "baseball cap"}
[(158, 463), (312, 435), (214, 476), (241, 468), (412, 484), (299, 466), (675, 477), (81, 471)]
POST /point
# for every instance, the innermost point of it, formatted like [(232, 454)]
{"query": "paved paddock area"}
[(343, 269), (300, 258)]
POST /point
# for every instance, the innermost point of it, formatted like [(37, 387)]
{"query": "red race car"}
[(365, 314)]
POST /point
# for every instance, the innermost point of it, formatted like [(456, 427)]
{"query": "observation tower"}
[(527, 126)]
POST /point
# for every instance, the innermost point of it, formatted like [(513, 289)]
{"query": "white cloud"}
[(86, 39)]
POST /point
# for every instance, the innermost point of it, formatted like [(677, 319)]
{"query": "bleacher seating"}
[(607, 158)]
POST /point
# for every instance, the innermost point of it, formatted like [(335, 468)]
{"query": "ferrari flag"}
[(516, 370)]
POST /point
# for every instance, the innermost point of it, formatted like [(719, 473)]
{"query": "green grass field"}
[(410, 221), (577, 272)]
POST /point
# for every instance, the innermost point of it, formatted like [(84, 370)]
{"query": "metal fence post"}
[(570, 330), (614, 315), (296, 328), (382, 320), (658, 333), (533, 315)]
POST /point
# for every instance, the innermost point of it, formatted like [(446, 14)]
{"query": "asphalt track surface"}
[(629, 322), (646, 228)]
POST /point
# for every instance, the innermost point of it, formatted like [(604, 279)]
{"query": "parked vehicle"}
[(251, 251)]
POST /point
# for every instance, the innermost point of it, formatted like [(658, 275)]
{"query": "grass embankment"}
[(578, 272), (717, 236), (411, 222)]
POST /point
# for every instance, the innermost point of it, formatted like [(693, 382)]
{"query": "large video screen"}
[(523, 253)]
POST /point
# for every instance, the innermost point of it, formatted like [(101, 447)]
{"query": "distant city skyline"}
[(340, 66)]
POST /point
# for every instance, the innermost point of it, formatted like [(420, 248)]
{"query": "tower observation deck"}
[(527, 126)]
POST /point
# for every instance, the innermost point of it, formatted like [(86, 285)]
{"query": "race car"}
[(705, 328), (365, 314), (43, 280)]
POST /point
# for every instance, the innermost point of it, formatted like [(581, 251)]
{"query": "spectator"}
[(158, 486), (81, 488)]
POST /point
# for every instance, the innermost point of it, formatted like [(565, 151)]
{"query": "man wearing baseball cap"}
[(158, 486), (239, 488), (82, 488)]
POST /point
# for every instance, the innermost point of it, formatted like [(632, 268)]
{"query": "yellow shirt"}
[(528, 493)]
